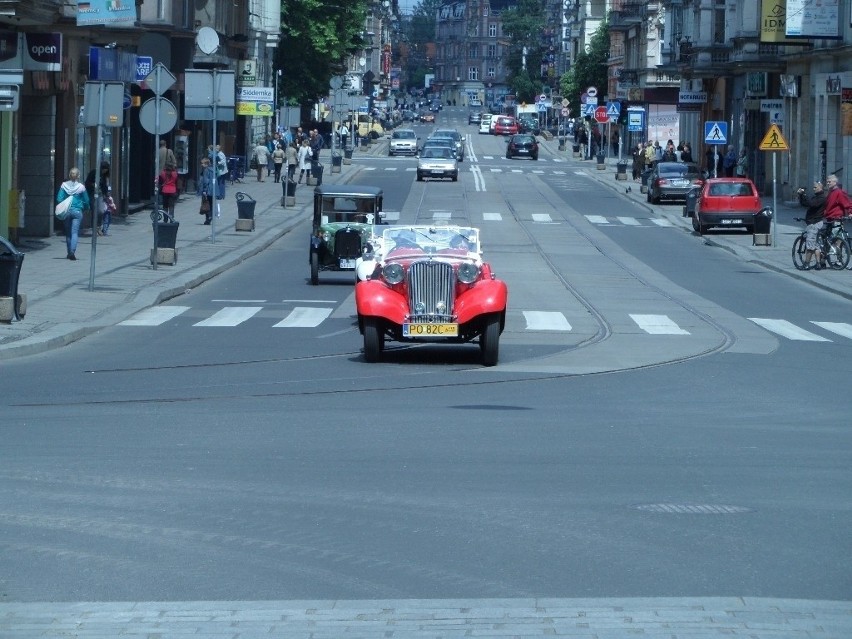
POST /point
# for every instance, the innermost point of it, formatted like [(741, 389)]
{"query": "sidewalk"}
[(60, 307), (777, 258)]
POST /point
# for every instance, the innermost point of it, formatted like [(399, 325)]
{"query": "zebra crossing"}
[(546, 321)]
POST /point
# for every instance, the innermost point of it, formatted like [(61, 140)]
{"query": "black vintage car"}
[(344, 219)]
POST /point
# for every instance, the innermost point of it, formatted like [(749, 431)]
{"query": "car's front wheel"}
[(374, 340), (489, 341), (314, 268)]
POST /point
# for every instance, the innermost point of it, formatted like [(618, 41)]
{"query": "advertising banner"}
[(111, 13), (258, 101)]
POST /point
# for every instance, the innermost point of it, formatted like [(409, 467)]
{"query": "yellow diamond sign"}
[(774, 140)]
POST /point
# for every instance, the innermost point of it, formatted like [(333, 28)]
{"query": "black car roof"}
[(348, 189)]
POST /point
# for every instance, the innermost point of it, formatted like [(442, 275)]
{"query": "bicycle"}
[(833, 243)]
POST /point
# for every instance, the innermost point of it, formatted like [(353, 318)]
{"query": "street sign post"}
[(774, 141), (601, 115)]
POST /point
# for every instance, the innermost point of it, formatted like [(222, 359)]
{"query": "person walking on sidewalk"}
[(292, 156), (206, 189), (73, 188), (814, 222), (168, 185), (278, 157), (304, 156), (107, 203), (261, 157), (166, 155)]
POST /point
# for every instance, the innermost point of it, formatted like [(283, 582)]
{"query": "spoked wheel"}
[(374, 340), (799, 253), (838, 254), (489, 341)]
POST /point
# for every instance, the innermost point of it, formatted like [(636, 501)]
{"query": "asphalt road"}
[(209, 459)]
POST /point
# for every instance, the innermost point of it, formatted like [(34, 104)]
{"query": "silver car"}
[(403, 142), (456, 137), (437, 162)]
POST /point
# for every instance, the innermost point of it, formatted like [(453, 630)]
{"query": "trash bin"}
[(245, 206), (347, 153), (336, 162), (691, 202), (646, 175), (621, 170), (365, 142), (316, 173), (10, 270), (288, 190), (166, 234), (763, 228), (601, 158)]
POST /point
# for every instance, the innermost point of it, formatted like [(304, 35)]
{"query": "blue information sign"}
[(716, 132)]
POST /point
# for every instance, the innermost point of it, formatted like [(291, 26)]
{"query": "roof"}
[(348, 189)]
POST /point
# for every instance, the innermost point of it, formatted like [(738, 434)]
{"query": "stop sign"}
[(601, 115)]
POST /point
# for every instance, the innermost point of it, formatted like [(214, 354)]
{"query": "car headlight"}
[(393, 273), (468, 272)]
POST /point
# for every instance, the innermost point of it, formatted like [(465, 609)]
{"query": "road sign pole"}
[(774, 199), (96, 205), (215, 162)]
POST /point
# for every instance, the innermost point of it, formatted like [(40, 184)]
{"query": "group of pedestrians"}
[(826, 210), (298, 151), (646, 155)]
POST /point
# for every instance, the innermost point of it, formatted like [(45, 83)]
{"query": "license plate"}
[(430, 330), (732, 222), (680, 182), (347, 263), (437, 172)]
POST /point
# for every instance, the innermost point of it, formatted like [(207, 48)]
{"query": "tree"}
[(590, 67), (316, 38), (418, 34), (524, 25)]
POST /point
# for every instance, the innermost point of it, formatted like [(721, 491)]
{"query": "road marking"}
[(537, 171), (304, 317), (230, 316), (597, 219), (492, 217), (658, 325), (788, 330), (154, 316), (496, 170), (546, 321), (629, 221), (660, 222), (840, 328), (559, 173), (442, 215), (541, 217)]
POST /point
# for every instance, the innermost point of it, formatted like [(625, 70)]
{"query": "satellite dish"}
[(207, 40)]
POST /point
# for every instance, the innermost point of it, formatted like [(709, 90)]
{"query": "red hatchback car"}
[(506, 125), (726, 202)]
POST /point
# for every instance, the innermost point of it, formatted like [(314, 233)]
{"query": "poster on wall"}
[(663, 123), (808, 19), (846, 112), (773, 23)]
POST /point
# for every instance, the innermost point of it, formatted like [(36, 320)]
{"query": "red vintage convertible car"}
[(430, 284)]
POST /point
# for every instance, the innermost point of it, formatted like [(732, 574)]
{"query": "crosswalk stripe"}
[(154, 316), (442, 215), (492, 217), (304, 317), (559, 173), (660, 222), (597, 219), (546, 321), (230, 316), (788, 330), (541, 217), (496, 170), (839, 328), (657, 325), (629, 221)]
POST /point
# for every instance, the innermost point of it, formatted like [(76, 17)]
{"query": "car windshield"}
[(455, 135), (404, 135), (437, 152), (449, 240), (677, 169), (736, 189)]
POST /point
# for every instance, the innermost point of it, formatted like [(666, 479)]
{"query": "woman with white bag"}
[(73, 214)]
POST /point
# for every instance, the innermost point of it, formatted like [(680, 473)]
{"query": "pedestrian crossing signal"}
[(774, 140)]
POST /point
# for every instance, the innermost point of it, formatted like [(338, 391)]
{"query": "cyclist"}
[(814, 221)]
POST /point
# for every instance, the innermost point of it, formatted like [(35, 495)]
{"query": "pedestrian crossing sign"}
[(716, 132), (774, 140)]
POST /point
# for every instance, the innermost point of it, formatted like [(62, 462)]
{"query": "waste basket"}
[(288, 188), (245, 206), (166, 234), (621, 170), (763, 228), (365, 142), (347, 153), (691, 202), (601, 158), (646, 176), (10, 270), (316, 173), (336, 162)]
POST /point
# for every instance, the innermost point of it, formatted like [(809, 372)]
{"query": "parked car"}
[(506, 125), (431, 285), (455, 136), (672, 181), (485, 124), (522, 145), (437, 162), (343, 224), (403, 142), (726, 202), (474, 117)]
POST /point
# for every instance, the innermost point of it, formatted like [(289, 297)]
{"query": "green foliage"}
[(418, 33), (316, 37), (523, 24), (589, 69)]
